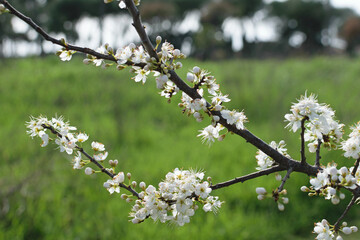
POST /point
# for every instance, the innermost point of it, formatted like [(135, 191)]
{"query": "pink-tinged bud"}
[(261, 191)]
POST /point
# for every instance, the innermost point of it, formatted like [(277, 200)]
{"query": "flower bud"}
[(281, 207), (278, 177), (124, 196), (221, 137), (87, 61), (106, 185), (133, 184), (128, 175), (285, 200), (196, 70), (304, 189), (261, 191), (142, 185), (132, 46), (158, 40), (89, 171), (190, 77), (335, 200), (178, 65), (354, 228), (261, 197), (342, 196), (346, 230), (218, 108), (339, 237)]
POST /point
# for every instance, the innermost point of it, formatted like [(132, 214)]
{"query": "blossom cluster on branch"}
[(182, 192)]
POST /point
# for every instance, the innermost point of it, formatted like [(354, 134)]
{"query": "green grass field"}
[(42, 197)]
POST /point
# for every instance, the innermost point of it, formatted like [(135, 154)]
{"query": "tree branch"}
[(287, 176), (356, 167), (47, 37), (302, 151), (247, 177), (351, 203), (102, 168), (318, 157)]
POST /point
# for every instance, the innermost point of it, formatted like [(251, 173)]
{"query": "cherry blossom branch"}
[(101, 167), (351, 203), (247, 177), (318, 157), (302, 151), (356, 167), (287, 176)]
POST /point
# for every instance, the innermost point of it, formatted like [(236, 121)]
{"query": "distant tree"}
[(350, 32), (310, 20)]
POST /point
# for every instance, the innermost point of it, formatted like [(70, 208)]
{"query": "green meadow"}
[(42, 197)]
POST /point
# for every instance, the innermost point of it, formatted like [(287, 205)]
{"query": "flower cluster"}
[(352, 145), (277, 196), (264, 161), (175, 199), (319, 122), (325, 231), (66, 139), (330, 180)]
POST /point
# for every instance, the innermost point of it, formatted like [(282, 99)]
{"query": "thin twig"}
[(247, 177), (351, 203), (287, 176), (102, 168), (356, 167), (302, 151), (318, 157), (47, 37)]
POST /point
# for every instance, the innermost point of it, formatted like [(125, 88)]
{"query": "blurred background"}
[(264, 54), (205, 29)]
